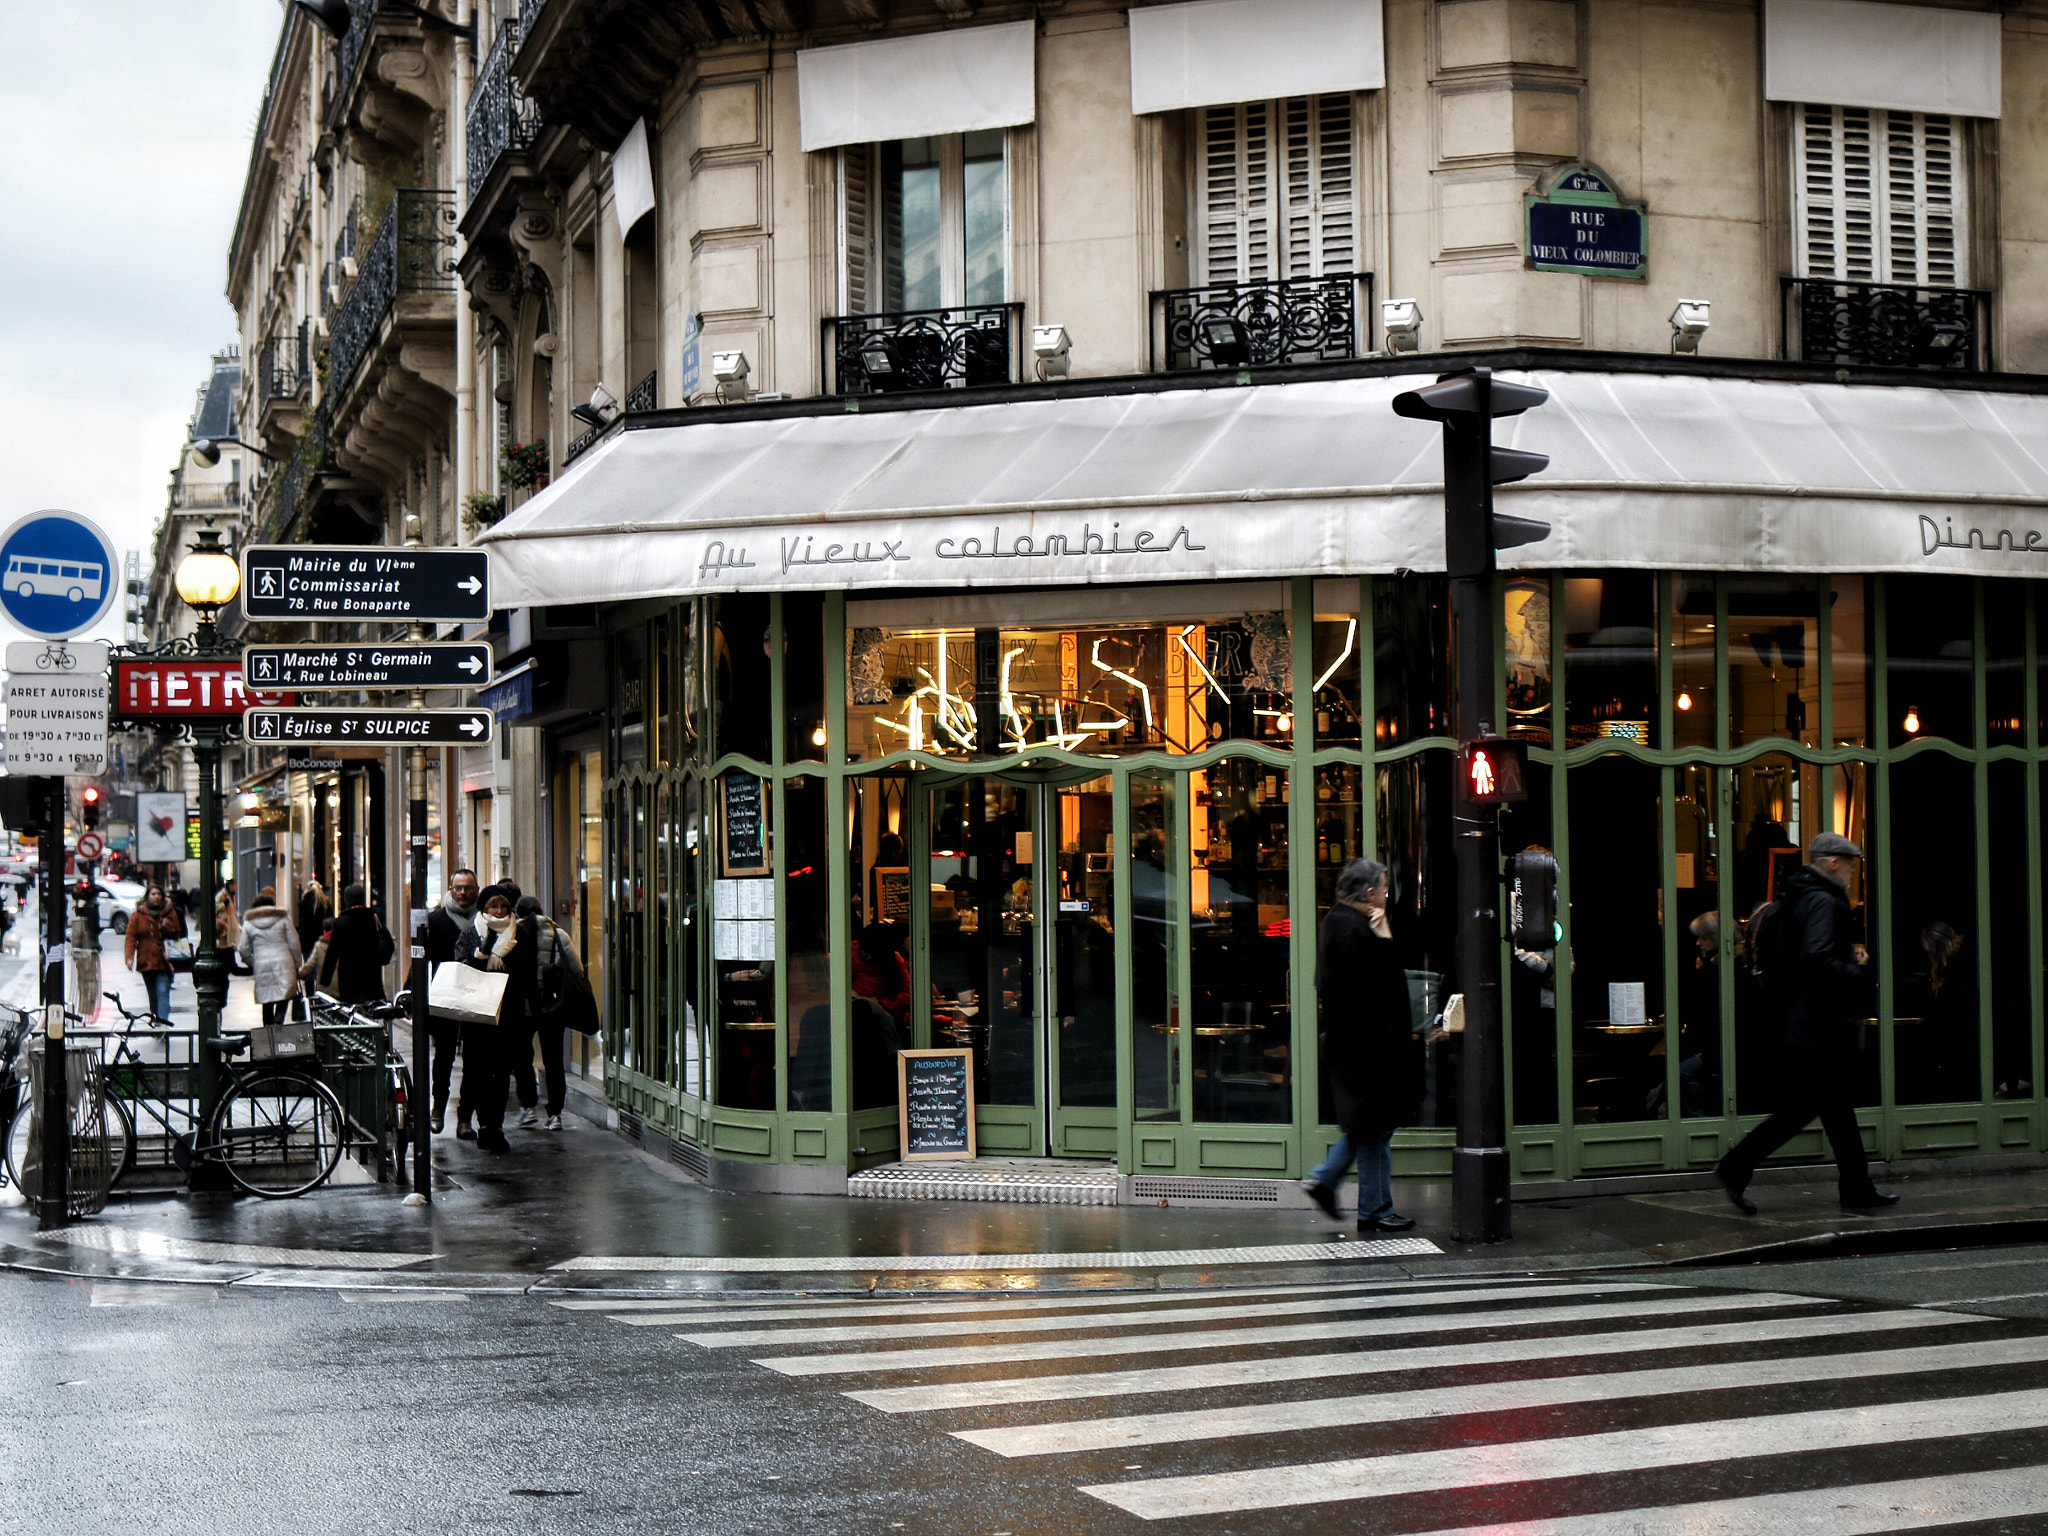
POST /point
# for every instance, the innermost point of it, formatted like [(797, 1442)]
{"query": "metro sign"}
[(185, 689)]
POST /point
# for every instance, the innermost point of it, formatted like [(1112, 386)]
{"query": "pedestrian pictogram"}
[(56, 574)]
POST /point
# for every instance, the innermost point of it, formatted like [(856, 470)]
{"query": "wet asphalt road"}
[(127, 1406)]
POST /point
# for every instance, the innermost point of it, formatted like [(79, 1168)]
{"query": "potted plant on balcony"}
[(481, 510), (524, 465)]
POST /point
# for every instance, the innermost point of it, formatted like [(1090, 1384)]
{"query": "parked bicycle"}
[(276, 1128), (13, 1036), (376, 1017)]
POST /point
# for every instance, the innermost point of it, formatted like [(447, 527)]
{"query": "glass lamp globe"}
[(208, 578)]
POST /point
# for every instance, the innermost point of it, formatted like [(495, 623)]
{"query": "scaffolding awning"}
[(1648, 470)]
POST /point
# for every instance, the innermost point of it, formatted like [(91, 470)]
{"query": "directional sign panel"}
[(368, 727), (365, 581), (311, 668)]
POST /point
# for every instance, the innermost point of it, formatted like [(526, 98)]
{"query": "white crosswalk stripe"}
[(1502, 1400)]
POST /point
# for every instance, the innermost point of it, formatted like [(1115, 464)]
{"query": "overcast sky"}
[(125, 128)]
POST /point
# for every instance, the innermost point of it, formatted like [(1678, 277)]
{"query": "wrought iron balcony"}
[(1256, 325), (286, 489), (501, 119), (529, 12), (1887, 325), (282, 369), (413, 252), (641, 396), (961, 348)]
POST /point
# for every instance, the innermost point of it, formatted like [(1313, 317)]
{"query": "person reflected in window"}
[(1699, 1022)]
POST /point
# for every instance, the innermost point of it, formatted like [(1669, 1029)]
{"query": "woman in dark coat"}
[(499, 940), (1371, 1056)]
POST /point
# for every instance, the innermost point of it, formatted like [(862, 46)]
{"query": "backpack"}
[(1767, 946)]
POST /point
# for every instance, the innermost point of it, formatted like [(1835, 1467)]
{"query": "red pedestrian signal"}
[(1492, 773), (89, 798)]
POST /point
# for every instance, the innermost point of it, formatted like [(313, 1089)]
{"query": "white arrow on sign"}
[(473, 727), (472, 586), (470, 664)]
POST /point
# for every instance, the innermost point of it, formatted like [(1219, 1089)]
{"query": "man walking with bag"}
[(1816, 983), (446, 924), (358, 948)]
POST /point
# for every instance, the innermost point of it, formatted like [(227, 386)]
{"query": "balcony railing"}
[(529, 12), (962, 348), (1887, 325), (501, 119), (413, 252), (282, 368), (1257, 325), (285, 490), (641, 396)]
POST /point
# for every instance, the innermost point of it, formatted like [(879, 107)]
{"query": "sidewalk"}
[(581, 1209)]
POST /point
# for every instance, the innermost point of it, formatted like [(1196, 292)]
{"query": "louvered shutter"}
[(1322, 200), (856, 230), (1234, 208), (1878, 196)]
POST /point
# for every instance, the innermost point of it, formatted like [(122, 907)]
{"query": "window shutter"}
[(1234, 237), (1878, 196), (856, 229), (1322, 203)]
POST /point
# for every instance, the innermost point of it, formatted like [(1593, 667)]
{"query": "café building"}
[(1037, 721)]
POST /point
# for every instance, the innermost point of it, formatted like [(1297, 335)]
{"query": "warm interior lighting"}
[(1685, 701), (818, 737), (1912, 720)]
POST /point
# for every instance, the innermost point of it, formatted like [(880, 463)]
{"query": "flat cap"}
[(1832, 845)]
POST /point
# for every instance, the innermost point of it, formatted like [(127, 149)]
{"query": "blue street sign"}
[(57, 574)]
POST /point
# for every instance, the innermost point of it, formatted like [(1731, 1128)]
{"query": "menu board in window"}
[(892, 895), (743, 825), (935, 1104)]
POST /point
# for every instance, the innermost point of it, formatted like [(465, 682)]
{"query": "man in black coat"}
[(1371, 1058), (358, 948), (446, 924), (1817, 984)]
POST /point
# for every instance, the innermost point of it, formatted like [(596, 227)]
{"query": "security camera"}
[(1401, 323), (1689, 323)]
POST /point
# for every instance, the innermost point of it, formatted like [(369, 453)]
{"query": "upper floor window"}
[(924, 223), (1276, 190), (1878, 197)]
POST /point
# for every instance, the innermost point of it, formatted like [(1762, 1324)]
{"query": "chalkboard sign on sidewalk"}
[(745, 850), (935, 1102)]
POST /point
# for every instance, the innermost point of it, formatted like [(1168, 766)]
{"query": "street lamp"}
[(207, 580)]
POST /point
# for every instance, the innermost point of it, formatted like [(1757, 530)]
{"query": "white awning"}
[(1905, 58), (909, 87), (1667, 470), (1213, 52)]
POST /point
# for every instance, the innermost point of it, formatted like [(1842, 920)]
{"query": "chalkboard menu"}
[(935, 1103), (745, 836), (892, 895)]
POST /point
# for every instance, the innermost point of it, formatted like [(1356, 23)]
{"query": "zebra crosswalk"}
[(1534, 1406)]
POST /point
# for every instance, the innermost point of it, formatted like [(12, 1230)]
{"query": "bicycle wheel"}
[(115, 1121), (278, 1133)]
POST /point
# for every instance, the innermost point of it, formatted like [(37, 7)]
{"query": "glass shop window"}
[(807, 945), (741, 641), (1084, 943), (1526, 634), (1701, 955), (1610, 658), (1158, 852), (1928, 622), (1617, 951), (629, 658), (881, 1012), (1339, 650), (1935, 937), (743, 914), (1849, 662), (1108, 688), (1773, 659), (983, 933), (1695, 703), (2005, 653), (1411, 659), (1531, 992), (1239, 940), (1412, 810), (803, 677), (2012, 1002)]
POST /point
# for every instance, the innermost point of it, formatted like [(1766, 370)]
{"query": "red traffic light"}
[(90, 794), (1492, 773)]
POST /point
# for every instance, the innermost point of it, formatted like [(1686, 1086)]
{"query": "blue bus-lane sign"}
[(1579, 224), (57, 574)]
